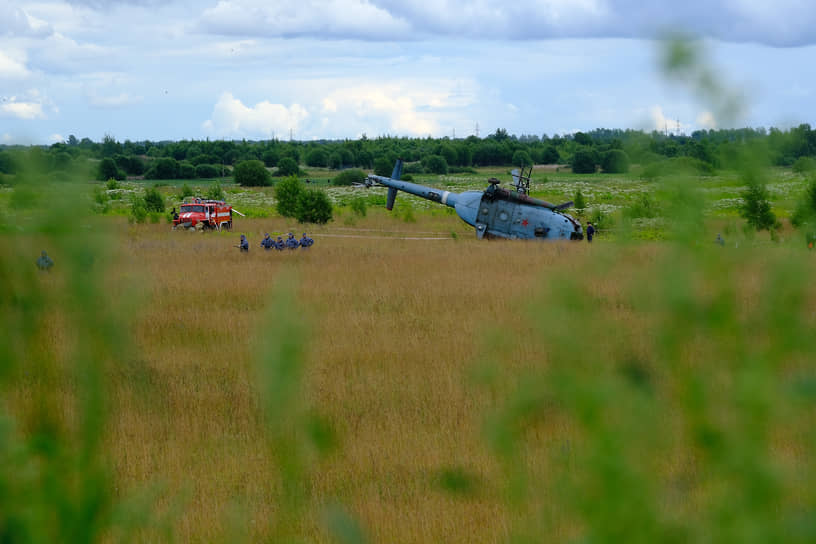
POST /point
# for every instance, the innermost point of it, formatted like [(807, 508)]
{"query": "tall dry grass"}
[(459, 390)]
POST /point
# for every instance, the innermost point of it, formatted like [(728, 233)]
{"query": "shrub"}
[(271, 157), (383, 166), (583, 162), (359, 207), (153, 200), (108, 169), (252, 173), (313, 206), (215, 192), (335, 161), (804, 164), (138, 210), (347, 177), (207, 171), (599, 219), (112, 184), (806, 208), (435, 164), (186, 170), (642, 207), (579, 202), (164, 168), (756, 209), (522, 158), (615, 161), (287, 166), (317, 157), (185, 191), (287, 193), (410, 168)]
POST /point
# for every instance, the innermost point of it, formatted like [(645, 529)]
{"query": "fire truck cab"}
[(204, 214)]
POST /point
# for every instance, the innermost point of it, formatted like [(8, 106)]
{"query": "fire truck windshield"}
[(186, 209)]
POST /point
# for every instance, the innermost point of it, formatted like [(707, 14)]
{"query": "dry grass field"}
[(393, 389)]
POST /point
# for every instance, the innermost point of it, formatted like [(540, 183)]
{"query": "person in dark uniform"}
[(45, 263), (267, 243), (292, 242), (280, 245), (719, 240), (306, 242), (244, 246), (590, 232)]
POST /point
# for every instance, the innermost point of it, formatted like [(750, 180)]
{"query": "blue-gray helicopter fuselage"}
[(495, 212)]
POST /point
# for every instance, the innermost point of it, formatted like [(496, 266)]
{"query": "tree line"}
[(600, 150)]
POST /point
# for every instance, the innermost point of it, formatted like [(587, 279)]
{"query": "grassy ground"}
[(405, 382)]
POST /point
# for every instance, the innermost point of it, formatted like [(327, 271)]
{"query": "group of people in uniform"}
[(280, 244)]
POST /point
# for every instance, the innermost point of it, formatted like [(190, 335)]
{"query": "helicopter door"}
[(497, 218)]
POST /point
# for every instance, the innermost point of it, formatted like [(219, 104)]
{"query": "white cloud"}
[(13, 68), (706, 120), (659, 121), (22, 110), (56, 138), (116, 101), (329, 19), (15, 21), (409, 107), (231, 118)]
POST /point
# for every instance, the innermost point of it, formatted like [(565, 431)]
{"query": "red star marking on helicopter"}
[(525, 223)]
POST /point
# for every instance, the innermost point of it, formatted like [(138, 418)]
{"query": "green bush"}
[(578, 201), (643, 207), (207, 171), (138, 210), (185, 191), (383, 166), (112, 184), (163, 168), (186, 170), (287, 166), (583, 162), (215, 192), (313, 206), (599, 219), (805, 212), (804, 165), (348, 177), (317, 157), (359, 207), (153, 200), (435, 164), (252, 173), (107, 169), (756, 209), (615, 161), (522, 158), (287, 193)]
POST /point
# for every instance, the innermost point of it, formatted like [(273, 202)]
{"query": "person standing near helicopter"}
[(590, 232)]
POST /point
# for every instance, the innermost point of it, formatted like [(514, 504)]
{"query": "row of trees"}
[(608, 150)]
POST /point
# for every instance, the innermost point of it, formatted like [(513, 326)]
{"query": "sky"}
[(334, 69)]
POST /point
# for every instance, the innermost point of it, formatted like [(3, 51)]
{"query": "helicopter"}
[(495, 212)]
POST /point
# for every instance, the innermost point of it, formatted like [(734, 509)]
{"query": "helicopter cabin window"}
[(541, 232)]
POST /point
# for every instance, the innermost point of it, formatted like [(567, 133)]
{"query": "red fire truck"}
[(205, 214)]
